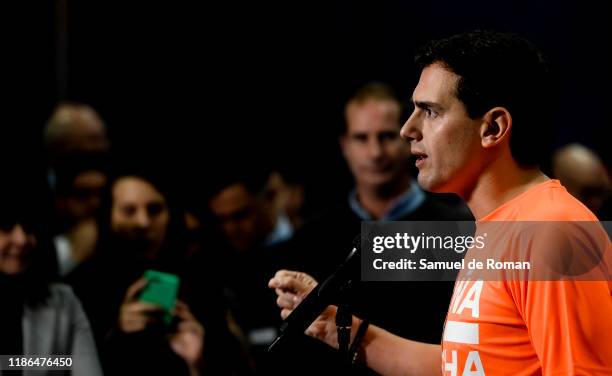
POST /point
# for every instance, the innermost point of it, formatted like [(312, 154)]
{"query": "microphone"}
[(320, 297)]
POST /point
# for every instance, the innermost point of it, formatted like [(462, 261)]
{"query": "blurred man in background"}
[(583, 174), (243, 203), (75, 129), (77, 147)]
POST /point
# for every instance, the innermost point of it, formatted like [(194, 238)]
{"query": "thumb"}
[(134, 289)]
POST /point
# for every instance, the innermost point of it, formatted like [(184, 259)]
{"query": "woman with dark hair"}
[(37, 317), (141, 229)]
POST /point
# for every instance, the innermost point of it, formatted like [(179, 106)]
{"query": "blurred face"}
[(587, 181), (16, 246), (372, 147), (289, 197), (444, 139), (245, 219), (84, 199), (139, 213)]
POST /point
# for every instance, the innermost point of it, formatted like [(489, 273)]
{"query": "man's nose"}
[(411, 129), (142, 219), (375, 147), (19, 236)]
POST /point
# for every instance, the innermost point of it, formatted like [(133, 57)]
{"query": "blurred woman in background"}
[(38, 317), (141, 228)]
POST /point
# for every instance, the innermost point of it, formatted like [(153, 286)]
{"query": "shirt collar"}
[(283, 230), (404, 205)]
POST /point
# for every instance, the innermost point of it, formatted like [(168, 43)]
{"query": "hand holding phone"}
[(162, 290), (134, 315)]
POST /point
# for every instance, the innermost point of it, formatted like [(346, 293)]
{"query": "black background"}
[(193, 84)]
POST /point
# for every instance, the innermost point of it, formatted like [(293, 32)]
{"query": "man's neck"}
[(499, 183), (377, 201)]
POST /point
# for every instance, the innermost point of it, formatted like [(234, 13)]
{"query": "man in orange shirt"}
[(479, 106)]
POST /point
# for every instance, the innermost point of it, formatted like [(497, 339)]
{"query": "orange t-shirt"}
[(531, 327)]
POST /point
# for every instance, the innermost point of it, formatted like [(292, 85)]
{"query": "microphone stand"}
[(344, 319)]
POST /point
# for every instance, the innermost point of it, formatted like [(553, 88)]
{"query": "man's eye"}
[(155, 209), (129, 210), (430, 113)]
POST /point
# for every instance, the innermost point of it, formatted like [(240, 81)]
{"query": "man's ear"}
[(496, 126)]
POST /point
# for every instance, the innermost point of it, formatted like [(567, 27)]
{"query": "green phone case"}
[(161, 289)]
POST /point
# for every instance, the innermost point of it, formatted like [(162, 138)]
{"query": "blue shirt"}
[(404, 205), (283, 230)]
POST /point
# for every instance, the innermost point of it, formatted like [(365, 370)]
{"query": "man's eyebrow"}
[(425, 104)]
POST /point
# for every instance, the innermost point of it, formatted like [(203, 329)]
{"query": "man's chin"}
[(379, 179), (431, 185)]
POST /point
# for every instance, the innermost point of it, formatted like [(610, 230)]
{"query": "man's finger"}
[(285, 312), (283, 273), (291, 283), (286, 300)]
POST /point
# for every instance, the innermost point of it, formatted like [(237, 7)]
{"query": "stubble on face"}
[(371, 146), (444, 138)]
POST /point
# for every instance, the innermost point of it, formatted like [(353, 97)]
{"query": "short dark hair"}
[(498, 69), (254, 174), (371, 91)]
